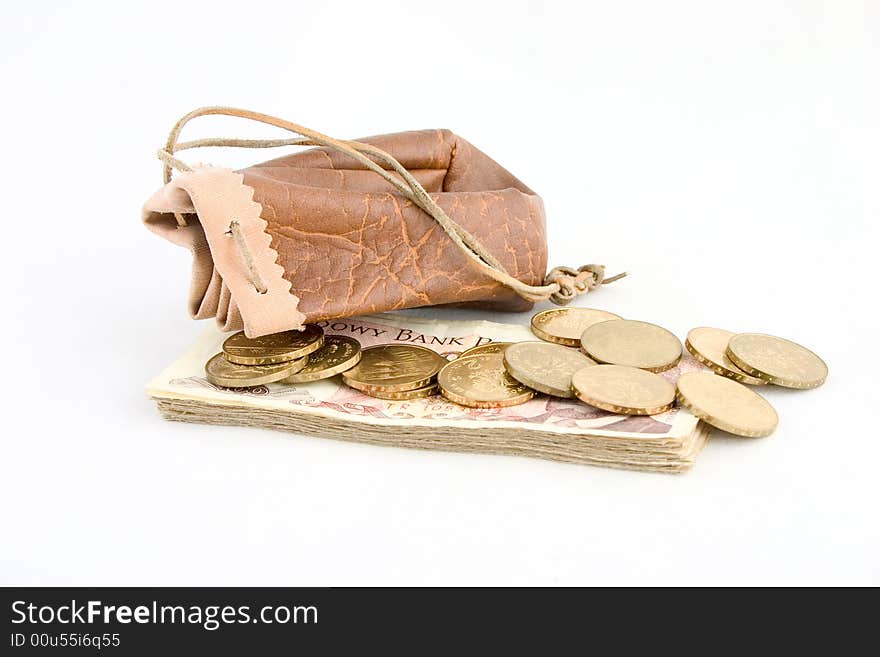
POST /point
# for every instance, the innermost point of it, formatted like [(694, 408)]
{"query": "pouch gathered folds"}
[(325, 233)]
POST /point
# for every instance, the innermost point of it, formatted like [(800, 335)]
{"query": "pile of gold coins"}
[(626, 356), (592, 355)]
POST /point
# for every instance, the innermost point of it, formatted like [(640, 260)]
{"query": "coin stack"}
[(396, 372), (286, 357)]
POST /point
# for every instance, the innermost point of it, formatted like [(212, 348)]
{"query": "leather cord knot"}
[(572, 282)]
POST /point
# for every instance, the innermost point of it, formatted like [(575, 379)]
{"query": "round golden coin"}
[(338, 354), (481, 382), (623, 389), (726, 404), (375, 391), (403, 395), (545, 367), (777, 360), (274, 348), (221, 372), (488, 348), (632, 343), (394, 368), (709, 346), (567, 325)]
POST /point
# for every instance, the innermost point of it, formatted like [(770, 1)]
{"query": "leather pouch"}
[(396, 221)]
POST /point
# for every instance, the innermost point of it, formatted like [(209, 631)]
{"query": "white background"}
[(726, 154)]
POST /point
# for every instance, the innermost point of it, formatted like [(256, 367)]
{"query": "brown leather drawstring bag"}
[(354, 227)]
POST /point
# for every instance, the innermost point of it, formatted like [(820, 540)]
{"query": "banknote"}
[(546, 427)]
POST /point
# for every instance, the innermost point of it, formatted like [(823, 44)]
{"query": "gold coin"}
[(488, 348), (545, 367), (221, 372), (709, 346), (567, 325), (338, 354), (481, 382), (623, 389), (273, 348), (777, 361), (394, 368), (427, 391), (375, 391), (726, 404), (635, 344)]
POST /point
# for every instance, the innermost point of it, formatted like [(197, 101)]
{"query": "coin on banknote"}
[(777, 360), (545, 367), (623, 389), (629, 342), (221, 372), (403, 395), (567, 325), (273, 348), (726, 404), (338, 354), (481, 381), (709, 346), (488, 348), (394, 368)]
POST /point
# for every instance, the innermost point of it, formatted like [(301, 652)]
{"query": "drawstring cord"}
[(561, 285)]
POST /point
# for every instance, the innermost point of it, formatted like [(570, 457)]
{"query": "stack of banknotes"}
[(544, 427)]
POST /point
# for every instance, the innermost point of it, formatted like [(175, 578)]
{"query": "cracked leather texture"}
[(350, 244)]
